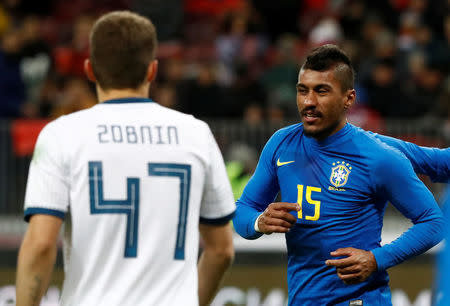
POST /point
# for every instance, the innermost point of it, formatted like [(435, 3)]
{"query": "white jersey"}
[(133, 179)]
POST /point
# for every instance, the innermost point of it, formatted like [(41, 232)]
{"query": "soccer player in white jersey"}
[(137, 185)]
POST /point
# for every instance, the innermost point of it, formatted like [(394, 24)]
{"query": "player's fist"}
[(277, 219), (356, 267)]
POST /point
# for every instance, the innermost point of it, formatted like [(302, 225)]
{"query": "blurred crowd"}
[(234, 58)]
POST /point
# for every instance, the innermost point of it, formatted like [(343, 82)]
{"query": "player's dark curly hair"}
[(332, 57)]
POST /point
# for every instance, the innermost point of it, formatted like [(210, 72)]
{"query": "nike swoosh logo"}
[(284, 163)]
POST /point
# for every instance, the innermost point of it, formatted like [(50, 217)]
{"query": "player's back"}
[(136, 173)]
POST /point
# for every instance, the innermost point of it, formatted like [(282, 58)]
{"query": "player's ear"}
[(89, 71), (350, 98), (152, 70)]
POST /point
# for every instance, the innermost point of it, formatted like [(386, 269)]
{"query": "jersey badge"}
[(340, 173)]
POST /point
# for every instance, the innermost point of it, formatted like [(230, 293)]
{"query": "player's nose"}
[(310, 99)]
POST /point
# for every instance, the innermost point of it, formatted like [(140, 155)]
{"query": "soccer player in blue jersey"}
[(335, 180)]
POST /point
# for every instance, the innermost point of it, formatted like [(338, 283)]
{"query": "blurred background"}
[(233, 63)]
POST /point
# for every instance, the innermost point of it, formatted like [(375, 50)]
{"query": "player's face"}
[(321, 102)]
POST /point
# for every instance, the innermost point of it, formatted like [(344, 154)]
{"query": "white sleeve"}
[(47, 189), (217, 202)]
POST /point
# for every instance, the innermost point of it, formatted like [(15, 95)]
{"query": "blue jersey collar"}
[(128, 100), (333, 139)]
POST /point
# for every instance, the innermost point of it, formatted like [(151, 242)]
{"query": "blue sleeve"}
[(443, 276), (432, 162), (259, 192), (395, 180)]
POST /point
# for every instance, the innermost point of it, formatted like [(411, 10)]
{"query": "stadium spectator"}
[(383, 47), (424, 95), (446, 29), (279, 77), (385, 92), (205, 96), (166, 15), (352, 19), (36, 59), (49, 96), (240, 41), (442, 109), (326, 31), (166, 95), (12, 87), (236, 33), (74, 96), (229, 44), (245, 91), (240, 166), (142, 183), (69, 58), (253, 115)]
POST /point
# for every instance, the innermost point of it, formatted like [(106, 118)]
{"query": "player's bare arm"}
[(217, 256), (355, 267), (277, 218), (37, 257)]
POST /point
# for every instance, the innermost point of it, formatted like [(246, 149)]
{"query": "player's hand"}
[(277, 219), (356, 267)]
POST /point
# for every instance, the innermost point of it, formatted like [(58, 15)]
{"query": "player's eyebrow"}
[(323, 86), (300, 85), (315, 87)]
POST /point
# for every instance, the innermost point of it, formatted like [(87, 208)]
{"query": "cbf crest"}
[(340, 173)]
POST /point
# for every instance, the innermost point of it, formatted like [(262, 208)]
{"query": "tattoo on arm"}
[(35, 289)]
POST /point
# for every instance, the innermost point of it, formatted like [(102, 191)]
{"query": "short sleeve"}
[(217, 202), (47, 189)]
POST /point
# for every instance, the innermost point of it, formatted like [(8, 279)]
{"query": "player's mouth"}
[(311, 116)]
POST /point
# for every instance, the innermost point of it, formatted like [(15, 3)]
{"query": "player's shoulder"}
[(53, 127), (281, 139), (290, 129), (72, 118), (63, 123), (187, 118), (180, 118), (287, 132), (379, 151)]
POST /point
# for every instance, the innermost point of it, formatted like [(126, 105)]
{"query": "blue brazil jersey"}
[(433, 162), (442, 294), (342, 184)]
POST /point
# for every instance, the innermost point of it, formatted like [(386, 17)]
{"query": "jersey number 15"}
[(309, 191)]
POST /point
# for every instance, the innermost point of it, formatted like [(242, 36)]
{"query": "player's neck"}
[(112, 94), (330, 131)]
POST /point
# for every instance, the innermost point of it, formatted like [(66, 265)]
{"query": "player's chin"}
[(311, 130)]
